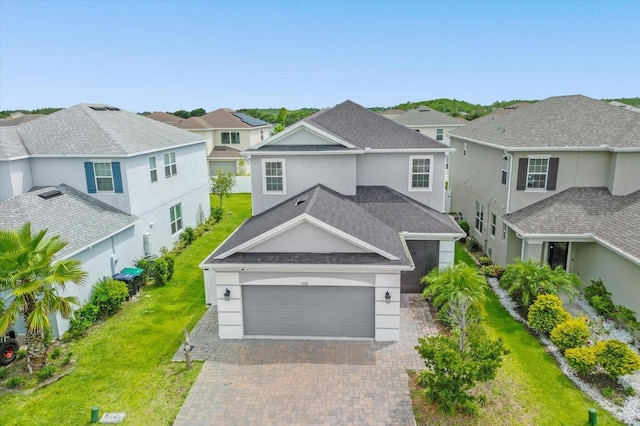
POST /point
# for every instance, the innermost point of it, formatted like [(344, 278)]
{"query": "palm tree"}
[(527, 279), (453, 283), (33, 279)]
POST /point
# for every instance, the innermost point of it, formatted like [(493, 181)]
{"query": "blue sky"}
[(170, 55)]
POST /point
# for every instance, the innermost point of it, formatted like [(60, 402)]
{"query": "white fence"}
[(243, 184)]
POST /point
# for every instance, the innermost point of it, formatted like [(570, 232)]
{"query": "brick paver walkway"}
[(278, 382)]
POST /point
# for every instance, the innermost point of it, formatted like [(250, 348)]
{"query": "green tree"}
[(454, 282), (182, 113), (526, 279), (33, 279), (198, 112), (222, 184)]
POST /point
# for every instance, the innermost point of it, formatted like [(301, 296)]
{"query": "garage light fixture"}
[(227, 294), (387, 297)]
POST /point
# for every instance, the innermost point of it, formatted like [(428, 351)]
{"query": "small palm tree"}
[(529, 278), (33, 279), (454, 283)]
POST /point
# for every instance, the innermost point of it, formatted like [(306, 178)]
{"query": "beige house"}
[(557, 181), (227, 134), (430, 122)]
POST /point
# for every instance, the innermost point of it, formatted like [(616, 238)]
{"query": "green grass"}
[(124, 364)]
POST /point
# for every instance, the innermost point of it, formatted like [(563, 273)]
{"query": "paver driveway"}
[(278, 382)]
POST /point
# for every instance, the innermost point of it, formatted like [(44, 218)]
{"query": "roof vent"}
[(50, 194), (103, 108), (300, 201)]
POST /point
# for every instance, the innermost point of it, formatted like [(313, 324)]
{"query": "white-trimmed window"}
[(493, 224), (479, 217), (440, 135), (420, 172), (505, 170), (170, 167), (104, 177), (273, 176), (261, 134), (504, 231), (175, 216), (153, 169), (230, 138), (537, 170)]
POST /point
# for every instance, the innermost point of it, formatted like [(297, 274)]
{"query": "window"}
[(261, 134), (175, 215), (493, 224), (420, 175), (504, 231), (505, 170), (273, 171), (464, 150), (440, 135), (104, 178), (153, 169), (537, 173), (230, 138), (170, 168), (479, 217)]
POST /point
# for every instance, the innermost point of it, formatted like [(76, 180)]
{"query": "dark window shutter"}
[(552, 174), (91, 178), (523, 165), (117, 177)]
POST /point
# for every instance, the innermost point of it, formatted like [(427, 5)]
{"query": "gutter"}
[(509, 178), (599, 148)]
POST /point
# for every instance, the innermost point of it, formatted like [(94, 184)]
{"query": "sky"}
[(171, 55)]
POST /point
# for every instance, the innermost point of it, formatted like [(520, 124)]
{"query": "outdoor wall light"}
[(387, 297), (227, 293)]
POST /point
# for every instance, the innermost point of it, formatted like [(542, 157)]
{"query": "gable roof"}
[(224, 152), (79, 219), (222, 118), (325, 207), (589, 213), (98, 130), (11, 145), (164, 117), (425, 116), (560, 123)]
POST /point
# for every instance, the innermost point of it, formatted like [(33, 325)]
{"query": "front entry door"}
[(425, 255), (558, 255)]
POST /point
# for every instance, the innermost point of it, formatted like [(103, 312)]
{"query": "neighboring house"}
[(18, 118), (227, 134), (508, 109), (140, 168), (392, 113), (164, 117), (430, 122), (348, 214), (625, 106), (556, 181)]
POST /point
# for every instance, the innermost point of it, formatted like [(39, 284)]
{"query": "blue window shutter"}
[(91, 178), (117, 177)]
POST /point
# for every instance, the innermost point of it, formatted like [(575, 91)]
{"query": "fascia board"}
[(125, 155), (600, 148), (432, 236), (408, 150), (309, 268)]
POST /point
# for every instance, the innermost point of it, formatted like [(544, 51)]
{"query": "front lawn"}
[(124, 364), (530, 389)]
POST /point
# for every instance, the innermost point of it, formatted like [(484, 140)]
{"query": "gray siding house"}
[(556, 181), (123, 185), (348, 213)]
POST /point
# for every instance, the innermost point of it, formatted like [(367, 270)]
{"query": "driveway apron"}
[(306, 382)]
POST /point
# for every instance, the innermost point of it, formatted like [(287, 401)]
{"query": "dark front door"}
[(558, 255), (425, 255)]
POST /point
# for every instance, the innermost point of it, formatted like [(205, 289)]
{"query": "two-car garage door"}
[(308, 311)]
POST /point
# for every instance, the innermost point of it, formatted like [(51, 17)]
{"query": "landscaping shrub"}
[(56, 353), (546, 313), (14, 382), (465, 226), (145, 265), (46, 372), (82, 319), (493, 271), (217, 213), (187, 236), (485, 260), (473, 245), (108, 295), (48, 336), (571, 334), (603, 305), (616, 358), (163, 269), (67, 358), (582, 359), (596, 288), (625, 317)]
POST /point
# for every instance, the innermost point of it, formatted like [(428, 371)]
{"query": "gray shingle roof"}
[(425, 116), (11, 145), (82, 130), (19, 120), (558, 122), (329, 207), (579, 211), (79, 219), (307, 258), (222, 118)]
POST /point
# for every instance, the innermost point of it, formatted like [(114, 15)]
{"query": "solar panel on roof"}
[(251, 121), (50, 194)]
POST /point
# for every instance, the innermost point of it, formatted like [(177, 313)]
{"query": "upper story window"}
[(479, 216), (493, 224), (230, 138), (420, 172), (440, 135), (464, 150), (504, 231), (273, 176), (175, 216), (537, 173), (505, 170), (170, 167), (103, 176), (261, 134), (153, 170)]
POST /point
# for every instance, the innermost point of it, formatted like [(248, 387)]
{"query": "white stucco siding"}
[(592, 261), (623, 173), (15, 178)]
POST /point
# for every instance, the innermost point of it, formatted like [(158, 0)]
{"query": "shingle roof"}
[(425, 116), (224, 152), (99, 130), (366, 129), (307, 258), (19, 120), (328, 207), (79, 219), (222, 118), (11, 145), (558, 122), (579, 211), (164, 117)]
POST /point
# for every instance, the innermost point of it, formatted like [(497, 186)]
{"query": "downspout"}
[(447, 182), (508, 209)]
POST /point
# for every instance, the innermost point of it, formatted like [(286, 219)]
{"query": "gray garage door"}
[(308, 311)]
